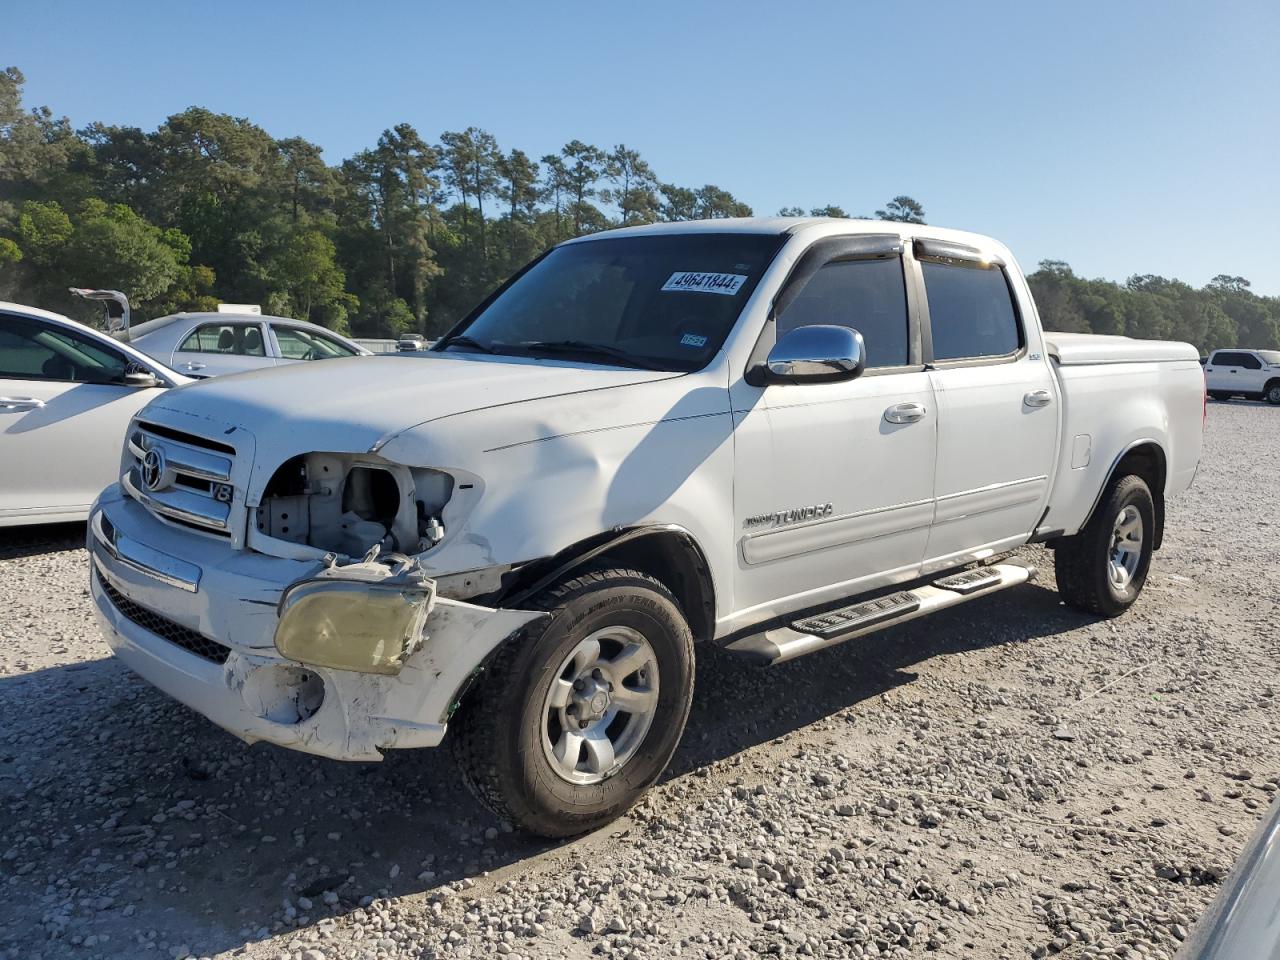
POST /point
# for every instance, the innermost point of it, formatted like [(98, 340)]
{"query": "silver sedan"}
[(210, 344)]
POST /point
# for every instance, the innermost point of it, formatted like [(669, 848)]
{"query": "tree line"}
[(407, 235)]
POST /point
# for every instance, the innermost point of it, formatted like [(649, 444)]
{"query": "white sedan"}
[(211, 344), (67, 394)]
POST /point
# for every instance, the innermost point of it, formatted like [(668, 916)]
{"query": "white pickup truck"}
[(771, 435), (1249, 373)]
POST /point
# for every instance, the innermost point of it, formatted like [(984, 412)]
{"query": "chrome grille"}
[(163, 627), (182, 477)]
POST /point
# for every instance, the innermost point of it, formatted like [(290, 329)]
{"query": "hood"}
[(351, 404)]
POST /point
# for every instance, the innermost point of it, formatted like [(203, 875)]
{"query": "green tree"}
[(584, 167), (902, 209), (471, 163), (714, 203), (555, 188), (678, 203), (635, 189), (831, 210), (314, 284)]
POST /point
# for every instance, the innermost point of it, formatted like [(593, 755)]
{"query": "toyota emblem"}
[(153, 467)]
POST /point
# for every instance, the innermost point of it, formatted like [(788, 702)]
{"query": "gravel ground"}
[(1010, 779)]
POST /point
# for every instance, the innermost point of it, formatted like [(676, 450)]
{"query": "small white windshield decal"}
[(693, 340), (723, 283)]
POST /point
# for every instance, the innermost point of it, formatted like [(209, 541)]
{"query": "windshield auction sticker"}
[(724, 283)]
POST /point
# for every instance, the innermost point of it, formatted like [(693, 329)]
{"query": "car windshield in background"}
[(659, 302)]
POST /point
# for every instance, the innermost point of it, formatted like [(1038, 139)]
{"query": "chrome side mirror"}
[(140, 378), (815, 354)]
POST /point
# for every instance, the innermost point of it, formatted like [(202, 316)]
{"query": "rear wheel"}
[(566, 730), (1219, 395), (1103, 568), (1272, 393)]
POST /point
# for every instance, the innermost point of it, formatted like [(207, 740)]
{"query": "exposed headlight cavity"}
[(348, 503)]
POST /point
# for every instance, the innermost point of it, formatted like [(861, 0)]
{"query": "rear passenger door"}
[(216, 348), (996, 398)]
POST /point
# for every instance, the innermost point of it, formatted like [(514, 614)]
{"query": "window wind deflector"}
[(865, 247), (959, 254)]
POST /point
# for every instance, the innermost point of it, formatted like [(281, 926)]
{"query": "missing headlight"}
[(342, 503)]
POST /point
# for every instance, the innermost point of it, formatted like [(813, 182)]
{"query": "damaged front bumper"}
[(202, 620)]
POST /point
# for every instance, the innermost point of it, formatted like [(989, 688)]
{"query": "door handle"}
[(18, 404), (192, 365), (905, 413), (1038, 398)]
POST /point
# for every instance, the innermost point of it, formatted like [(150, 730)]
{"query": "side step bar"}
[(823, 630)]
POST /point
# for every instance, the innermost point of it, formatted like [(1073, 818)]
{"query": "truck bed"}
[(1119, 393)]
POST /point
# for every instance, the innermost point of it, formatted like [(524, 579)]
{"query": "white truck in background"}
[(775, 435), (1254, 374)]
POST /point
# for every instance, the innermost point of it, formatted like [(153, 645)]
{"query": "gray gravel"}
[(1011, 779)]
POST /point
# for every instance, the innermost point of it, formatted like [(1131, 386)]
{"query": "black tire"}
[(1272, 393), (499, 744), (1082, 562), (1219, 395)]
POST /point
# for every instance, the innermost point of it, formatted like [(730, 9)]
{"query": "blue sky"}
[(1120, 137)]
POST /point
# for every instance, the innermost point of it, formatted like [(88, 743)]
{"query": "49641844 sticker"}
[(726, 284)]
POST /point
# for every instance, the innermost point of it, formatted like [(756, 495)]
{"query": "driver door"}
[(833, 483), (294, 344), (64, 410)]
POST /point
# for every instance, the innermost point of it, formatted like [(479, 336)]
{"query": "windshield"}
[(1270, 356), (661, 302)]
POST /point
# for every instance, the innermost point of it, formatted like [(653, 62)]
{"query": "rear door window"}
[(865, 295), (971, 310), (237, 339)]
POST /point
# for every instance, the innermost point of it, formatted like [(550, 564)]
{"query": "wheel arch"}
[(667, 552), (1146, 459)]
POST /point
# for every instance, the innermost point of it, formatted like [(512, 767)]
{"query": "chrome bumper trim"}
[(143, 559)]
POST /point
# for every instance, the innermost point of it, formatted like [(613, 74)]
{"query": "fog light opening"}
[(283, 694)]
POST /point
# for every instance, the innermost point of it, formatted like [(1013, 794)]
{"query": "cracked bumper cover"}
[(257, 694)]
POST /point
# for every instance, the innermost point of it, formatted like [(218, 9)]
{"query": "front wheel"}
[(567, 729), (1272, 393), (1103, 568)]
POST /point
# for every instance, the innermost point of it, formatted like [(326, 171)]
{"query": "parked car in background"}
[(210, 344), (776, 435), (1244, 373), (67, 393), (410, 342)]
